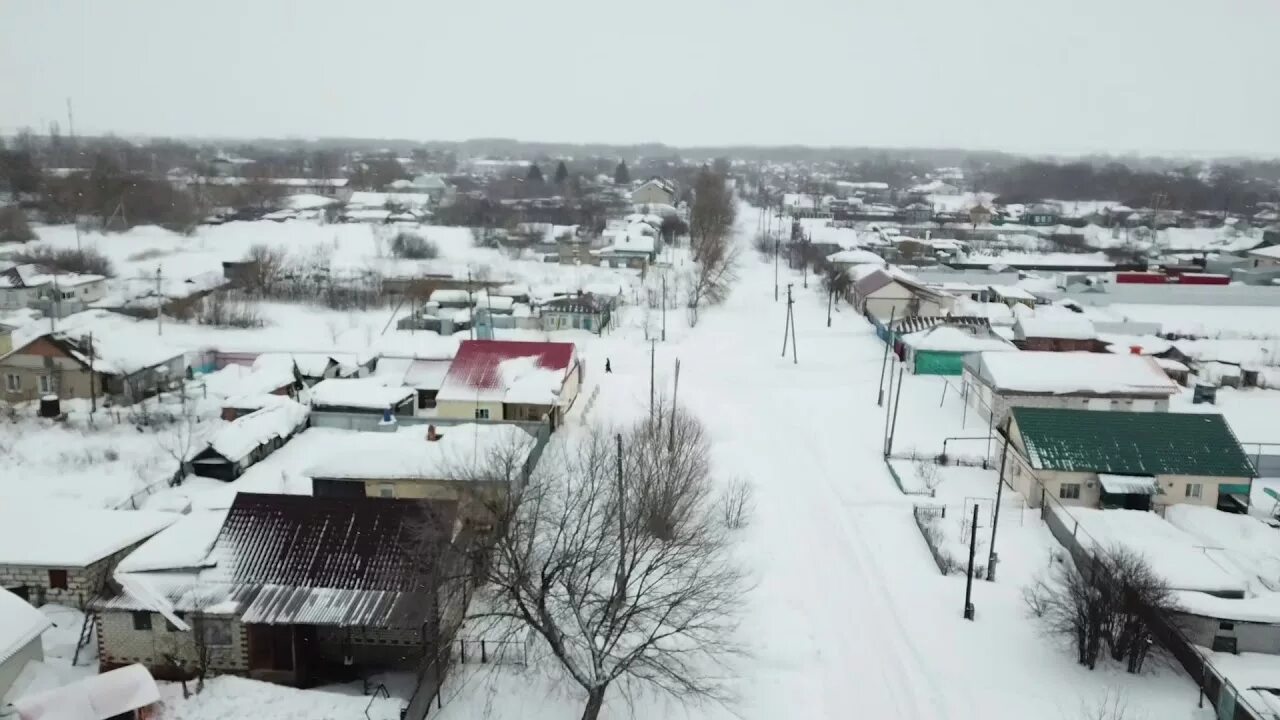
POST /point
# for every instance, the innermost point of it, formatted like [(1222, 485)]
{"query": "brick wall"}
[(83, 584), (119, 643)]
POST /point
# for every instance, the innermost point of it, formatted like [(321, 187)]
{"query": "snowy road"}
[(849, 618)]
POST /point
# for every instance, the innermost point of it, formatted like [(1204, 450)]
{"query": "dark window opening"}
[(57, 579)]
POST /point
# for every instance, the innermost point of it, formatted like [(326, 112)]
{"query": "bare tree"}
[(623, 582), (265, 264), (1111, 705), (737, 503), (180, 438)]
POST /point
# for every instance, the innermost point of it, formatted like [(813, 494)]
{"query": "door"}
[(270, 647)]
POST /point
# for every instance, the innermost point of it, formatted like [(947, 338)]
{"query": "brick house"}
[(1131, 460), (1069, 333), (119, 369), (994, 382), (290, 589), (63, 554), (510, 380)]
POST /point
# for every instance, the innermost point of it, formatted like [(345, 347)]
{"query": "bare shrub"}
[(737, 504), (927, 474), (1113, 603), (71, 260), (225, 309), (14, 227), (410, 246), (763, 244)]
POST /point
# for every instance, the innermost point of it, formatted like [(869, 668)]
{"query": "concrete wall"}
[(12, 667), (120, 644), (1249, 637), (466, 410)]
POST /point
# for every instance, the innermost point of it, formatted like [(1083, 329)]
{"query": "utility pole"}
[(776, 243), (653, 351), (885, 358), (804, 260), (995, 515), (159, 304), (93, 381), (789, 329), (893, 425), (968, 581), (472, 310), (829, 294), (675, 392), (664, 306)]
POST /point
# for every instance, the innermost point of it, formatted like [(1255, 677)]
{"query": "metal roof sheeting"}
[(1128, 484)]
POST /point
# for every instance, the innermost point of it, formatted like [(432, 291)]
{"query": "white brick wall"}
[(120, 644)]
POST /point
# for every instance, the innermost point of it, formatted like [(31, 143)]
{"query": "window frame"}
[(141, 620), (1198, 493), (1068, 491), (482, 414), (58, 579), (13, 382), (45, 383)]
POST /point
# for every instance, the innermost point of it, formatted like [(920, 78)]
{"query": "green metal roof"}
[(1131, 443)]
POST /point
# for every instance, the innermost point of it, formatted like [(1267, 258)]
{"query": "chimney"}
[(432, 435), (1135, 349)]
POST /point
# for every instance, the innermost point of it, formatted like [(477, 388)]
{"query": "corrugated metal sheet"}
[(282, 605)]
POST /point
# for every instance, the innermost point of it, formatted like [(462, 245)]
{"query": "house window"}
[(1069, 491), (1194, 490), (216, 632), (170, 627), (13, 383), (57, 579), (1226, 626), (482, 413), (46, 384), (141, 620), (386, 490)]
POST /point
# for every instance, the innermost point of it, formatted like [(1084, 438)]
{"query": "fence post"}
[(484, 654)]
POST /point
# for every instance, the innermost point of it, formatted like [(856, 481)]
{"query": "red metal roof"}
[(475, 367)]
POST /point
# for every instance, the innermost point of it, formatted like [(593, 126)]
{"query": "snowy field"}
[(849, 616)]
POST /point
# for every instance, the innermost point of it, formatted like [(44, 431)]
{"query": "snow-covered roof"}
[(1075, 372), (450, 296), (270, 372), (19, 624), (482, 372), (1067, 326), (53, 534), (241, 436), (121, 345), (31, 276), (96, 697), (369, 393), (408, 454), (415, 345), (951, 339), (1271, 252), (308, 201), (855, 257), (1182, 560), (184, 545)]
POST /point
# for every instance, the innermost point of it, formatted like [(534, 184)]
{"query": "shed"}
[(941, 350), (20, 629)]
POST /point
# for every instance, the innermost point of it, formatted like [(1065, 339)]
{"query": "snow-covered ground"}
[(849, 616)]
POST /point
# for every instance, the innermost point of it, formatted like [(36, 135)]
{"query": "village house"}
[(291, 589), (107, 367), (630, 248), (941, 349), (445, 462), (847, 259), (1265, 257), (917, 213), (881, 294), (511, 380), (995, 382), (57, 294), (59, 553), (1068, 332), (1131, 460), (248, 439), (654, 191), (577, 312), (1040, 215), (359, 403), (20, 629)]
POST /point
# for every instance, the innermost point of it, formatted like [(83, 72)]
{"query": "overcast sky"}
[(1022, 75)]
